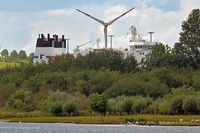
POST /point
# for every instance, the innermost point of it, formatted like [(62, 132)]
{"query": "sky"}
[(22, 20)]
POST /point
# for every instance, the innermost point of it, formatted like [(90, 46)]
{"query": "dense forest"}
[(104, 82)]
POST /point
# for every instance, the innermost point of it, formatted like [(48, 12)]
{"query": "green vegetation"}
[(162, 119), (104, 83), (14, 59)]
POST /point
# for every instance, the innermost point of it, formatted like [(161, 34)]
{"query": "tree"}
[(190, 38), (98, 103), (22, 54), (4, 53), (56, 109), (176, 105), (127, 106), (190, 105), (22, 100), (14, 54), (153, 59), (70, 108), (107, 59), (31, 56), (129, 64)]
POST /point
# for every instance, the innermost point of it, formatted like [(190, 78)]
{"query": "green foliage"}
[(22, 54), (56, 109), (137, 84), (129, 64), (14, 54), (189, 38), (141, 104), (5, 92), (31, 56), (176, 105), (70, 108), (63, 63), (22, 100), (127, 106), (107, 59), (196, 80), (190, 105), (4, 53), (98, 103), (164, 107), (34, 83)]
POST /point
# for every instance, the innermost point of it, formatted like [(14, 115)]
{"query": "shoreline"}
[(132, 120)]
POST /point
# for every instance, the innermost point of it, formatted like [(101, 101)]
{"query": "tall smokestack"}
[(42, 36), (48, 35), (56, 37), (63, 37), (151, 36)]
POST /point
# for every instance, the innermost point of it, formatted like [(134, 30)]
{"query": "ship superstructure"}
[(139, 47), (47, 47)]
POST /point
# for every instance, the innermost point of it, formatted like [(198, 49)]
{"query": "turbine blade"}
[(98, 20), (120, 16)]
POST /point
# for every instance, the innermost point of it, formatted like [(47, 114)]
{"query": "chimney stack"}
[(42, 36), (151, 36), (56, 37), (48, 35), (63, 37)]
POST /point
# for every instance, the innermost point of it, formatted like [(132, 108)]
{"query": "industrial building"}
[(47, 47)]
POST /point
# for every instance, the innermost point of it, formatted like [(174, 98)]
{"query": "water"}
[(79, 128)]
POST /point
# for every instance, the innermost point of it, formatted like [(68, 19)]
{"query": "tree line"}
[(16, 55)]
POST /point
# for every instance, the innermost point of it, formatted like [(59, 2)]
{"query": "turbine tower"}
[(105, 24)]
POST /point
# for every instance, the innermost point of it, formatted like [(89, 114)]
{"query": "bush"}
[(127, 106), (190, 105), (22, 100), (164, 107), (56, 109), (70, 108), (141, 104), (99, 103), (176, 105)]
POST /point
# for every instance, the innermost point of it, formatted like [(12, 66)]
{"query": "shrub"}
[(176, 105), (22, 100), (56, 109), (70, 108), (190, 105), (99, 103)]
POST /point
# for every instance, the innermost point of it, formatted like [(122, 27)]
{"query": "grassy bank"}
[(12, 62), (162, 119)]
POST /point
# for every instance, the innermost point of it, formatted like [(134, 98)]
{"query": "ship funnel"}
[(133, 37)]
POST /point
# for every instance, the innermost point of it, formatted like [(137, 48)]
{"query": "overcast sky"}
[(22, 20)]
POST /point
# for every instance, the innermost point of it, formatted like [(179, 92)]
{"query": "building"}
[(47, 47), (139, 47)]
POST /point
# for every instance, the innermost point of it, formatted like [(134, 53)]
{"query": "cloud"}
[(59, 12), (165, 24), (19, 30)]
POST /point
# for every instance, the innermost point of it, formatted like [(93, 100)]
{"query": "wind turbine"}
[(104, 23)]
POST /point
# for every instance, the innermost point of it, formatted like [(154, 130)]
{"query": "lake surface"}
[(79, 128)]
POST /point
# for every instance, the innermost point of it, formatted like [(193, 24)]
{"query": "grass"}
[(11, 63), (109, 119), (8, 64)]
